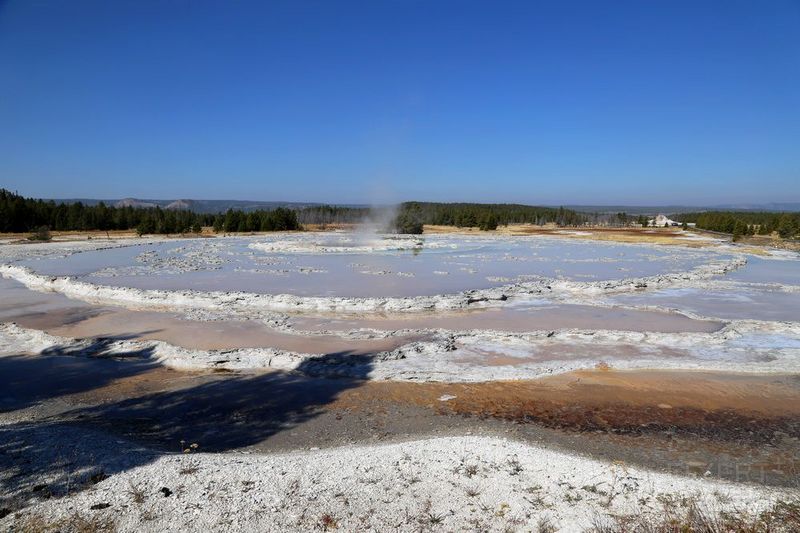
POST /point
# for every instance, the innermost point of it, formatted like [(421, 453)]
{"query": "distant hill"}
[(677, 209), (774, 206), (634, 209), (126, 202)]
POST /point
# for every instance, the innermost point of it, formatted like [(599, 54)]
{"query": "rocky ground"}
[(450, 484), (121, 443)]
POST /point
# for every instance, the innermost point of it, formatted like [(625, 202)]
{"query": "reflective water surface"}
[(442, 264)]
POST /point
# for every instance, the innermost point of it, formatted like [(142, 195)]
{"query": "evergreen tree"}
[(42, 233), (489, 223), (406, 222), (738, 229), (753, 222), (786, 227)]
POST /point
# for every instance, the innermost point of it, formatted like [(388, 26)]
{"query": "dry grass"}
[(77, 235), (690, 516), (137, 494), (770, 241), (447, 230), (473, 491), (75, 523), (71, 236), (329, 227), (545, 525), (623, 235)]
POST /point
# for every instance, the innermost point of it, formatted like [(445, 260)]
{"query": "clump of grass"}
[(434, 519), (189, 468), (427, 517), (148, 515), (473, 491), (137, 494), (514, 466), (468, 469), (545, 525)]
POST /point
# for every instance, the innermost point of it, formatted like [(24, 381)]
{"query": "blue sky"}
[(564, 102)]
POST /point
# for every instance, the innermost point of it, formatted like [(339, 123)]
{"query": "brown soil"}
[(625, 235), (714, 405), (738, 427)]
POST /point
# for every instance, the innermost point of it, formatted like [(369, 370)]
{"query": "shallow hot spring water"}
[(350, 266)]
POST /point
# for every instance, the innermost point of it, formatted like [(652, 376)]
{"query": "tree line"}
[(333, 214), (409, 217), (19, 214), (739, 223), (489, 216), (278, 219)]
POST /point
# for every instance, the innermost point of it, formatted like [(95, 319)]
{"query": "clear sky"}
[(563, 102)]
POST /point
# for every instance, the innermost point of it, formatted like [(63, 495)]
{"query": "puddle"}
[(733, 304), (522, 318), (786, 272), (57, 315)]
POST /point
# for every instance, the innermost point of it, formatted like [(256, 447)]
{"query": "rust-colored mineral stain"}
[(717, 404)]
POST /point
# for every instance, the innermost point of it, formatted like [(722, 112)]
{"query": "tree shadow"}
[(26, 380), (231, 411), (345, 364), (226, 413), (101, 347)]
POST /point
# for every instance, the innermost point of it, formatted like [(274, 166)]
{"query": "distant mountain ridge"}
[(220, 206), (677, 209), (198, 206), (773, 206)]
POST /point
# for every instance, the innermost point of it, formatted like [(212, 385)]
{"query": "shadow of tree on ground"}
[(26, 380), (229, 412)]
